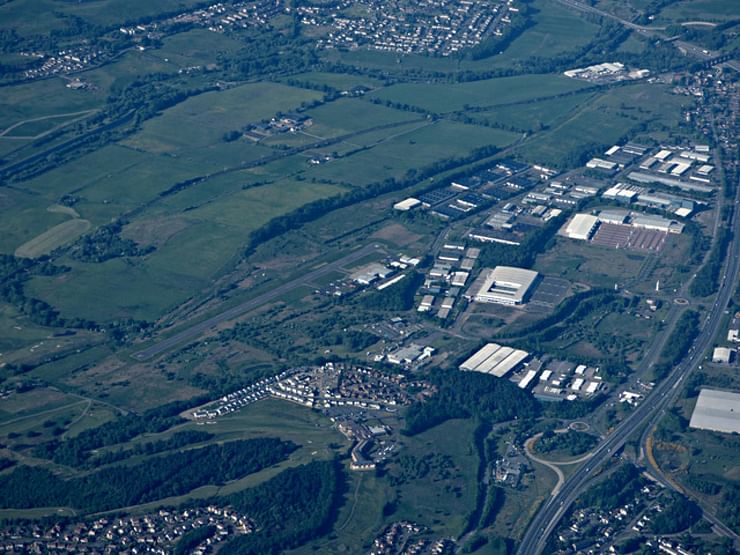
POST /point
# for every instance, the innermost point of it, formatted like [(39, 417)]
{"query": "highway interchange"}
[(648, 412)]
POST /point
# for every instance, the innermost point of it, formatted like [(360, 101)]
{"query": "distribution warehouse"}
[(717, 410), (495, 360), (502, 285)]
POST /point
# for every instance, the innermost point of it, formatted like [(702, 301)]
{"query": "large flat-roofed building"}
[(581, 226), (657, 223), (502, 285), (495, 359), (717, 410)]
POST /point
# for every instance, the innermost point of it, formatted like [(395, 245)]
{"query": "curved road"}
[(536, 536), (554, 466)]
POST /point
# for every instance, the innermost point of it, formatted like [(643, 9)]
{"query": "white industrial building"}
[(722, 355), (502, 285), (613, 216), (407, 204), (495, 359), (581, 227), (717, 410), (657, 223)]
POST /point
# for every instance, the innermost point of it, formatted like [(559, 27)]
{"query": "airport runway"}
[(201, 327)]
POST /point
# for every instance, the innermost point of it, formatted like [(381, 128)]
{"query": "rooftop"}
[(717, 410)]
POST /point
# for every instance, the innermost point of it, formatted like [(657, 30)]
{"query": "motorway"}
[(206, 325), (547, 518)]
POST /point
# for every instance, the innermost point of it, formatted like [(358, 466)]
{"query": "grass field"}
[(202, 120), (697, 10), (48, 97), (60, 234), (339, 81), (417, 148), (604, 119), (197, 47), (534, 115), (183, 263), (556, 29), (30, 17), (454, 97)]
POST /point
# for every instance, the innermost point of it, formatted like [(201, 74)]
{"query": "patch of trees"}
[(296, 506), (729, 507), (699, 244), (576, 306), (6, 463), (679, 514), (523, 255), (678, 344), (618, 488), (354, 340), (703, 485), (75, 451), (190, 540), (411, 468), (106, 243), (572, 442), (397, 297), (153, 479), (469, 394), (706, 281)]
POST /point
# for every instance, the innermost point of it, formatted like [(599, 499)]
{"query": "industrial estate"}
[(353, 276)]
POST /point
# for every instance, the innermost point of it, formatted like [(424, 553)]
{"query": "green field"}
[(535, 115), (57, 236), (29, 17), (556, 30), (200, 122), (491, 92), (697, 10), (37, 99), (339, 81), (197, 47), (183, 263), (603, 120), (416, 148), (590, 264)]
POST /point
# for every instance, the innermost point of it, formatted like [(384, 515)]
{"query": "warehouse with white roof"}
[(495, 359), (717, 410), (581, 227), (502, 285)]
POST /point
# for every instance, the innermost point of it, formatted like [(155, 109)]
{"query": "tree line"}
[(150, 480), (75, 451)]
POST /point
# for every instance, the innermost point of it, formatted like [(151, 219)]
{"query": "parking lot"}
[(550, 292)]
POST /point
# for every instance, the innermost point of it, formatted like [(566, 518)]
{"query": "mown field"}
[(604, 119), (492, 92)]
